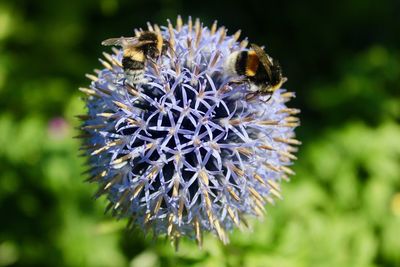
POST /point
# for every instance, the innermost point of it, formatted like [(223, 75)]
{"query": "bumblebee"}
[(136, 50), (263, 73)]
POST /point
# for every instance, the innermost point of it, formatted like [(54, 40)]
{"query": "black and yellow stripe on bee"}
[(133, 59), (252, 63), (248, 64)]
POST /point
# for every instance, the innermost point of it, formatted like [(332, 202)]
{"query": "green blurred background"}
[(341, 209)]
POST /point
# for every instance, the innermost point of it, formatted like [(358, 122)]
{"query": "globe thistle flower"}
[(186, 152)]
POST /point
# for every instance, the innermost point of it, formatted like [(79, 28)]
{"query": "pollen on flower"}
[(185, 152)]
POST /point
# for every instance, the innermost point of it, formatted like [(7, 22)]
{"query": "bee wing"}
[(263, 57), (124, 42)]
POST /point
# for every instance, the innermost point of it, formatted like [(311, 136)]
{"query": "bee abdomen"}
[(241, 63), (236, 63), (131, 64), (134, 70), (134, 77)]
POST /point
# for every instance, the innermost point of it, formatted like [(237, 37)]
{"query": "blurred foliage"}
[(341, 209)]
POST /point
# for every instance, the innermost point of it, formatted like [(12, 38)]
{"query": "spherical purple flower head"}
[(185, 151)]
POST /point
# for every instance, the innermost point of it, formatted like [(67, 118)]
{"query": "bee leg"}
[(130, 86), (251, 96), (237, 82), (126, 82), (268, 99)]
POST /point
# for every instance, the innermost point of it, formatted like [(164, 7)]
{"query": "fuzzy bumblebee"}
[(185, 152)]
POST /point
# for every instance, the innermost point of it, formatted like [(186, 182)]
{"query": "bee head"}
[(165, 46), (154, 50), (150, 50), (276, 73)]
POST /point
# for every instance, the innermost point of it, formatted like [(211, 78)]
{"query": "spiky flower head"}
[(186, 151)]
